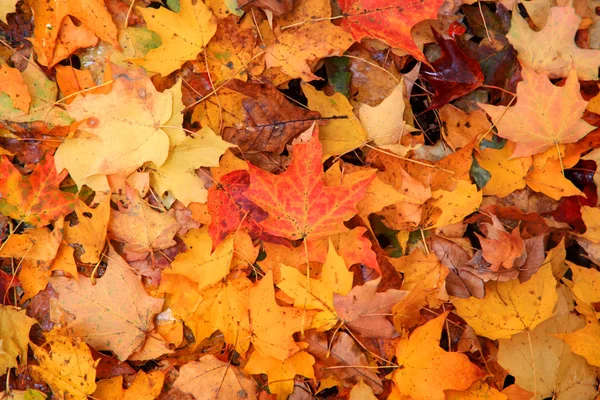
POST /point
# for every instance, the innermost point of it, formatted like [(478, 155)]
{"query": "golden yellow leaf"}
[(183, 35), (547, 176), (510, 307), (145, 386), (281, 374), (88, 236), (454, 205), (338, 136), (478, 391), (426, 370), (507, 175), (317, 294), (101, 149), (178, 173), (67, 367), (586, 288), (197, 263), (460, 128), (11, 83), (585, 342), (14, 337), (361, 391), (591, 219)]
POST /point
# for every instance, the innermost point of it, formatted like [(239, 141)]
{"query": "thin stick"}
[(409, 160), (283, 28)]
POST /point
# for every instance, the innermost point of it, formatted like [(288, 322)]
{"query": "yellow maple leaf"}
[(89, 234), (448, 207), (67, 367), (586, 284), (426, 370), (507, 175), (280, 373), (510, 307), (585, 342), (14, 337), (183, 35), (317, 294), (145, 386)]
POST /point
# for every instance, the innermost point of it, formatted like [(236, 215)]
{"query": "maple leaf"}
[(67, 367), (454, 74), (460, 128), (212, 378), (281, 373), (299, 203), (559, 372), (254, 116), (178, 173), (42, 110), (141, 228), (117, 306), (101, 149), (499, 247), (14, 337), (364, 311), (390, 21), (584, 342), (12, 83), (426, 370), (6, 7), (552, 50), (529, 304), (88, 236), (585, 288), (144, 386), (49, 15), (544, 116), (34, 199), (300, 42), (318, 294), (183, 35)]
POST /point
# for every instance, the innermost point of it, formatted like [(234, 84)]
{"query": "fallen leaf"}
[(584, 342), (479, 390), (511, 307), (388, 21), (34, 199), (214, 379), (552, 50), (281, 373), (361, 391), (145, 386), (364, 311), (448, 207), (12, 83), (460, 128), (426, 370), (67, 367), (116, 306), (184, 35), (88, 235), (544, 116), (14, 337), (311, 209)]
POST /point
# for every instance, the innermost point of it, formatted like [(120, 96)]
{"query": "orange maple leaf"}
[(34, 199), (298, 202)]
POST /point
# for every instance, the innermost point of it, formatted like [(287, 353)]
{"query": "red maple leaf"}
[(299, 203), (34, 199)]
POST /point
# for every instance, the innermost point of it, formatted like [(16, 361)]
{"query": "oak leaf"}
[(141, 228), (34, 199), (49, 16), (299, 203), (544, 116), (101, 149), (390, 21), (12, 83), (14, 337), (426, 370), (510, 307), (184, 35), (281, 374), (211, 378), (67, 367), (117, 306), (552, 50)]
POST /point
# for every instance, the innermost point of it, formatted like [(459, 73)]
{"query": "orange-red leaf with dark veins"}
[(231, 210), (388, 20), (34, 199), (298, 202)]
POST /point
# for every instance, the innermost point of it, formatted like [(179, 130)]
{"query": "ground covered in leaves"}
[(299, 199)]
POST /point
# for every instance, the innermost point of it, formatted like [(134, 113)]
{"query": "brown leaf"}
[(364, 311)]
